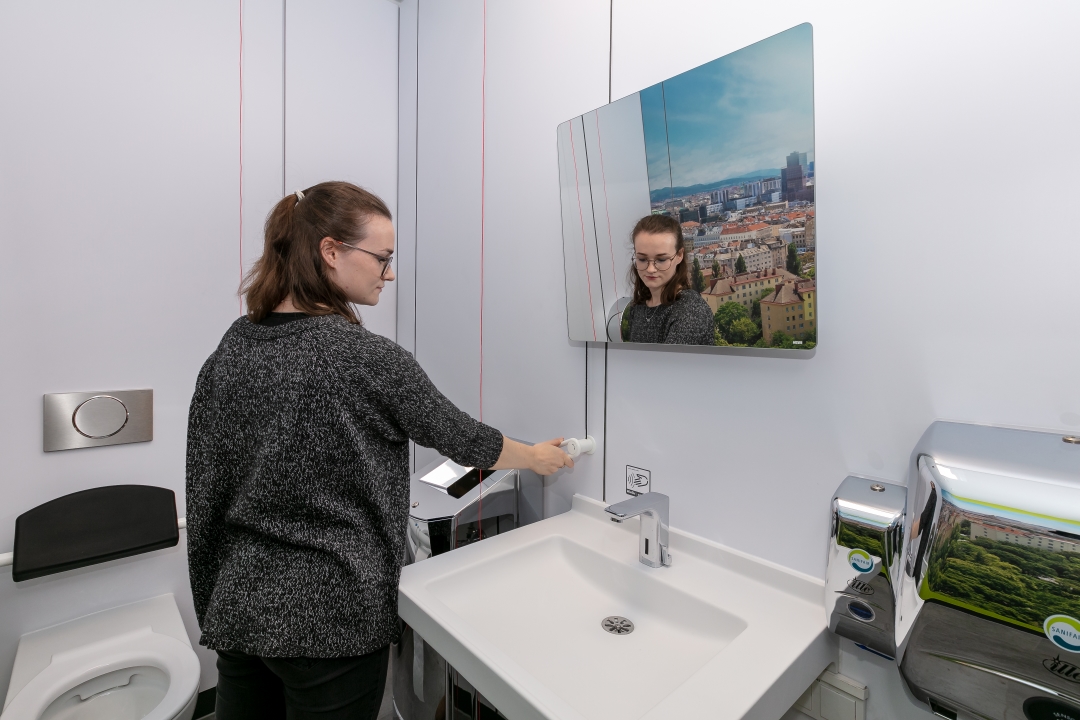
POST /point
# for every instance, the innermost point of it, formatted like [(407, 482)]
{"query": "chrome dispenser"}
[(864, 562), (990, 602), (986, 569)]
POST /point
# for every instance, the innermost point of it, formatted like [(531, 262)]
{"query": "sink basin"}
[(717, 634), (549, 601)]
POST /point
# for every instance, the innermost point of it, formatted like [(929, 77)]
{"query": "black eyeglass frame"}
[(385, 260), (654, 262)]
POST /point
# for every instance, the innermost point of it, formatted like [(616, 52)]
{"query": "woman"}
[(664, 308), (298, 468)]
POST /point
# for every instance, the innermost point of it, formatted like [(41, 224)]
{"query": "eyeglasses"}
[(661, 263), (384, 260)]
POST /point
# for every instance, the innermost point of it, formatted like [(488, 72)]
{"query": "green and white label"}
[(1063, 631), (860, 560)]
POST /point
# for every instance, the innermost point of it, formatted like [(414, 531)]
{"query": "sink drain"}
[(617, 625)]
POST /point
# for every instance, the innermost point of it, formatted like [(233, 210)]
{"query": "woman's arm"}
[(543, 458), (430, 419)]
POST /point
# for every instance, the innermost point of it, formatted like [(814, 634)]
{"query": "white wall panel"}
[(448, 148), (119, 220), (341, 85), (910, 329), (406, 205), (533, 375), (545, 65), (264, 119)]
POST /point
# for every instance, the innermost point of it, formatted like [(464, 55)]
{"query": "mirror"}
[(715, 169)]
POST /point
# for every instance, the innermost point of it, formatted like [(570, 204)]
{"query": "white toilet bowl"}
[(129, 663)]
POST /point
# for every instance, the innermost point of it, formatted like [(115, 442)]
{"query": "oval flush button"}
[(101, 416)]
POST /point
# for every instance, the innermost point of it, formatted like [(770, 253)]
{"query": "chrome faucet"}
[(653, 538)]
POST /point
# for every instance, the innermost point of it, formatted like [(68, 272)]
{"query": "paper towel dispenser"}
[(990, 604)]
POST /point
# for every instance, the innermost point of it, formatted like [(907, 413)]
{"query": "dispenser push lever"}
[(575, 447)]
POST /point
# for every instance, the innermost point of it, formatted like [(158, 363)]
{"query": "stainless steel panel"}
[(92, 419), (989, 617), (864, 562), (959, 661)]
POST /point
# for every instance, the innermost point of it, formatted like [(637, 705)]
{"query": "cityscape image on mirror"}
[(688, 211)]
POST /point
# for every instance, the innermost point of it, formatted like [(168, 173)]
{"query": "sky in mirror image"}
[(737, 116)]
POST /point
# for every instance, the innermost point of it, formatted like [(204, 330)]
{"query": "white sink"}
[(718, 634)]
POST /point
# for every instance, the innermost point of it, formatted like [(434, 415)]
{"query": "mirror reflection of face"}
[(653, 251)]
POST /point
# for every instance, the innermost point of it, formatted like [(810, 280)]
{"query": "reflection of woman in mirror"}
[(664, 309)]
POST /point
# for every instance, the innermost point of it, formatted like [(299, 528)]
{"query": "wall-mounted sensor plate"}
[(92, 419)]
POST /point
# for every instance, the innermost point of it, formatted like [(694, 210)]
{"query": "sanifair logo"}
[(861, 561), (1063, 631)]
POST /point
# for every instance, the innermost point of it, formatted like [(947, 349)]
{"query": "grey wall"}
[(120, 226), (946, 288)]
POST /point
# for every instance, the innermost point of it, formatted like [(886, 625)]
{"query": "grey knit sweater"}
[(687, 321), (298, 484)]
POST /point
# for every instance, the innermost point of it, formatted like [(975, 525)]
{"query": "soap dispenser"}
[(864, 562)]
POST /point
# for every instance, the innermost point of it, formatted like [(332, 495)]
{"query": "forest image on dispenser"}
[(730, 152)]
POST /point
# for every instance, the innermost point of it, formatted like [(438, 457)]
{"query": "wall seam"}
[(416, 209), (603, 467), (239, 293), (284, 22)]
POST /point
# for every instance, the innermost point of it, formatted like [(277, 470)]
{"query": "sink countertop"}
[(719, 634)]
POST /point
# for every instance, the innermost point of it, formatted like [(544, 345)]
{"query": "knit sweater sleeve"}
[(406, 393), (205, 513)]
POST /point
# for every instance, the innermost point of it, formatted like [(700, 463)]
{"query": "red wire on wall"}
[(607, 211), (581, 217), (483, 216)]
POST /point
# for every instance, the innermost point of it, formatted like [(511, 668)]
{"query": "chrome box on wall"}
[(864, 562), (988, 600), (726, 150)]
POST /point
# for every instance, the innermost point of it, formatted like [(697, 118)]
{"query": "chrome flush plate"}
[(92, 419)]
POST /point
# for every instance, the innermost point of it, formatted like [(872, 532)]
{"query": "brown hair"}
[(658, 224), (292, 262)]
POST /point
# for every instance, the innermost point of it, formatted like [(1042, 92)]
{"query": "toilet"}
[(132, 662)]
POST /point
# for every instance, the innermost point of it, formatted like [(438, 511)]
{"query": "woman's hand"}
[(543, 458), (548, 457)]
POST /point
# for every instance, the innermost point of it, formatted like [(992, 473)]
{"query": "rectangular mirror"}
[(714, 168)]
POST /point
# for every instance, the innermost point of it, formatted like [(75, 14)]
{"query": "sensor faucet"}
[(653, 537)]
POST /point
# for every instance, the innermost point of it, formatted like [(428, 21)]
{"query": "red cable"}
[(581, 217), (240, 297), (607, 212), (483, 169)]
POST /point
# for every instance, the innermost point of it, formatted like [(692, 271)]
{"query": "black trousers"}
[(254, 688)]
